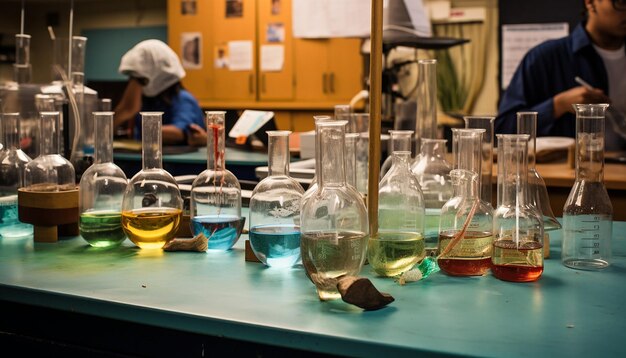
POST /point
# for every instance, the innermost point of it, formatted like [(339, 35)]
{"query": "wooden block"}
[(47, 234), (250, 256)]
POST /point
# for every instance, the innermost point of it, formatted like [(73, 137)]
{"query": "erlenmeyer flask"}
[(400, 140), (399, 243), (215, 193), (486, 123), (517, 222), (102, 188), (152, 205), (275, 208), (527, 124), (334, 220), (588, 212), (12, 164)]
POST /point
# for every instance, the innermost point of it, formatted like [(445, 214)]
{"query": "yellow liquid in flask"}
[(151, 228)]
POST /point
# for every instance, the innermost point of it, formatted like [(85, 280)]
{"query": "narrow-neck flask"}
[(313, 186), (517, 222), (216, 193), (399, 140), (399, 243), (152, 204), (275, 208), (486, 123), (588, 212), (465, 228), (426, 120), (334, 220), (527, 124), (360, 124), (101, 191), (13, 161), (433, 172), (350, 156)]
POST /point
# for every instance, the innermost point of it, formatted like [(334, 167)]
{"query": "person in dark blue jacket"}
[(545, 79)]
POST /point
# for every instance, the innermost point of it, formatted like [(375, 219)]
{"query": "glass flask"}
[(399, 243), (426, 120), (527, 124), (465, 227), (275, 208), (486, 123), (101, 191), (517, 223), (334, 220), (12, 164), (433, 172), (152, 206), (215, 193), (350, 156), (400, 140), (313, 186), (360, 124), (588, 213)]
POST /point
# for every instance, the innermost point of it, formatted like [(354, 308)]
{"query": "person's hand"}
[(196, 136), (563, 101)]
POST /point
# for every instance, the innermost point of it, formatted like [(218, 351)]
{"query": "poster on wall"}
[(221, 56), (275, 32), (234, 8), (191, 50), (275, 7), (188, 7)]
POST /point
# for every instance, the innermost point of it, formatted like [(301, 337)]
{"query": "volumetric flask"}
[(400, 141), (426, 121), (313, 186), (486, 123), (588, 213)]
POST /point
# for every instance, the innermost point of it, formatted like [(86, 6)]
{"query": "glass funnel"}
[(517, 223), (215, 193), (433, 172), (588, 212), (465, 228), (152, 204), (334, 220), (527, 124), (399, 243), (13, 161), (275, 208), (486, 123), (400, 140), (101, 191)]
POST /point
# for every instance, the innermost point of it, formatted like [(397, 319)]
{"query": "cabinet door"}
[(233, 24), (311, 66), (345, 69), (274, 35)]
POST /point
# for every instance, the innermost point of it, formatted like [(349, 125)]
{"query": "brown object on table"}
[(184, 228), (249, 254), (360, 291), (198, 243), (52, 213), (571, 156)]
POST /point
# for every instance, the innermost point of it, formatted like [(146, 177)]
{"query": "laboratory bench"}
[(69, 299)]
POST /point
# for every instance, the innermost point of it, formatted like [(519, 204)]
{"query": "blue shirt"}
[(546, 70)]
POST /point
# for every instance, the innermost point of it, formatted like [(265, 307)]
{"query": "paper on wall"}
[(240, 55), (272, 57)]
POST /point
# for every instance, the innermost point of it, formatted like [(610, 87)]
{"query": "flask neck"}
[(11, 130), (590, 141), (216, 151), (400, 141), (527, 124), (103, 137), (330, 169), (278, 153), (350, 157), (513, 170), (400, 161), (49, 133), (426, 121), (151, 140), (465, 183), (433, 148)]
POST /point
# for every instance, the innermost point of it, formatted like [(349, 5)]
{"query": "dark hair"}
[(169, 93)]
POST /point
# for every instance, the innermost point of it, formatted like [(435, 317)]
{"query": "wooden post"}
[(376, 77)]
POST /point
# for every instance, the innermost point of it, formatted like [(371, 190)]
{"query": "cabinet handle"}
[(325, 82), (332, 82), (263, 83), (250, 83)]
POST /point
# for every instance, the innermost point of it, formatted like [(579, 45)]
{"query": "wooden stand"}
[(52, 214)]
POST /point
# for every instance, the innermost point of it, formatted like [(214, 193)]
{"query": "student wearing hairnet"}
[(155, 72)]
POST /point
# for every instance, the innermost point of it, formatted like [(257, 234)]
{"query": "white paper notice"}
[(310, 19), (272, 57), (249, 122), (331, 18), (240, 55), (518, 39)]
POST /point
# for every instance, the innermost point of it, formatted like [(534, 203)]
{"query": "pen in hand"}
[(583, 83)]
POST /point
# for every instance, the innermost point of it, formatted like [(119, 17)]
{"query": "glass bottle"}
[(215, 193), (588, 212), (399, 140), (334, 220), (152, 206), (399, 243), (465, 228), (527, 124), (433, 172), (101, 191), (12, 164), (275, 208), (517, 223), (486, 123)]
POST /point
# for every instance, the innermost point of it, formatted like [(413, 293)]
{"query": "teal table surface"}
[(565, 313), (234, 156)]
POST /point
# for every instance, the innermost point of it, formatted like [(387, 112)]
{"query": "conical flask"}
[(527, 124), (486, 183), (334, 220), (399, 243), (275, 208), (101, 192), (13, 161), (400, 140), (588, 212), (216, 193), (152, 205), (517, 222)]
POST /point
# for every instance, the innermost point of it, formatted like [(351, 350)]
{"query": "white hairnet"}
[(154, 61)]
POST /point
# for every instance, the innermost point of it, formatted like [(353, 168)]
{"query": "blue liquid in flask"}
[(222, 231), (276, 245)]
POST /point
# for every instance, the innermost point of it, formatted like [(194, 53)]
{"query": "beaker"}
[(486, 123), (334, 220), (152, 207), (527, 124), (102, 188), (588, 212), (426, 95), (400, 140), (517, 223), (399, 243), (13, 161), (465, 228), (216, 193), (275, 208), (433, 172)]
